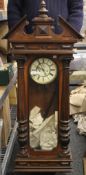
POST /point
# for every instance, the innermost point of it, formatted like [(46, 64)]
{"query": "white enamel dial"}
[(43, 70)]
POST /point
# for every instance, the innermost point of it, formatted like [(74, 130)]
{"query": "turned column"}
[(64, 135), (21, 109)]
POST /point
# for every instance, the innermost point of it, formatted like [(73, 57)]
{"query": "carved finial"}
[(43, 11)]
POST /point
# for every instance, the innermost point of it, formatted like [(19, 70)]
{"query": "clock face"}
[(43, 70)]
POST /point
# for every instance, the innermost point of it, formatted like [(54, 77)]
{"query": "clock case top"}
[(43, 42)]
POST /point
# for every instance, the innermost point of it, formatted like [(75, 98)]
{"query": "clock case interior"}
[(43, 42), (45, 107)]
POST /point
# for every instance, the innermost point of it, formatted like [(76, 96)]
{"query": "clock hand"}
[(40, 68), (44, 70)]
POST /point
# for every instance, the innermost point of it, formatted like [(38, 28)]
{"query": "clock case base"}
[(25, 165)]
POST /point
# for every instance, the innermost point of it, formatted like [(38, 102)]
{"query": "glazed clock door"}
[(43, 103)]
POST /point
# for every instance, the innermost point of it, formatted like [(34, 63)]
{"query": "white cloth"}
[(78, 108), (78, 100), (43, 133)]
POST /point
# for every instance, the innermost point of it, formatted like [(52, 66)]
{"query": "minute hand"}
[(44, 70)]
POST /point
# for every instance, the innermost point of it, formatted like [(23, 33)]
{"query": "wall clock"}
[(43, 58)]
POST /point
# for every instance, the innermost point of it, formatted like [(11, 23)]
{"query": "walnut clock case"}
[(43, 59)]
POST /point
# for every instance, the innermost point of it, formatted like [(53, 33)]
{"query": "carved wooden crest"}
[(43, 34)]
